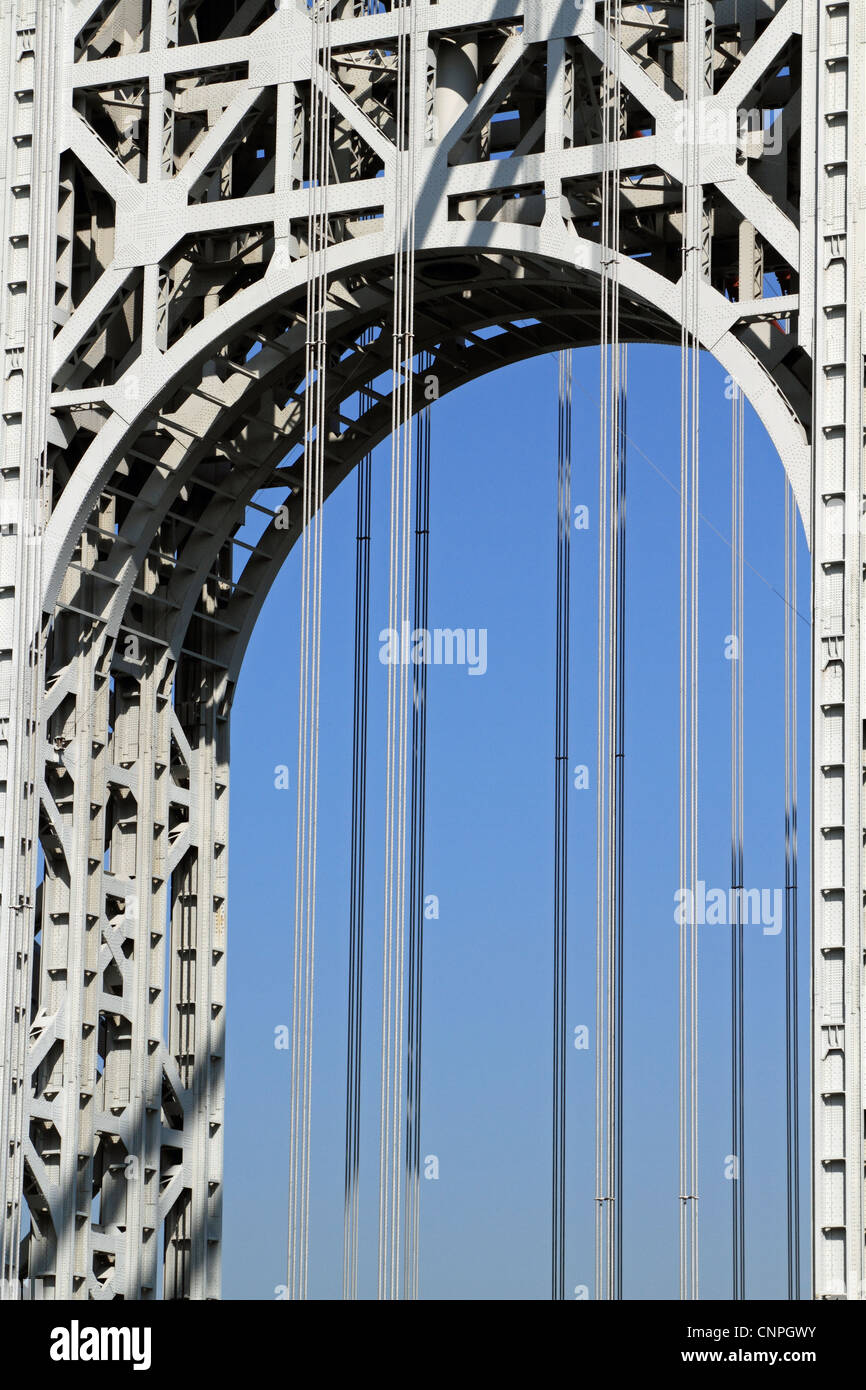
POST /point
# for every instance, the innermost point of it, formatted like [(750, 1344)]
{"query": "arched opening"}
[(215, 442), (490, 815)]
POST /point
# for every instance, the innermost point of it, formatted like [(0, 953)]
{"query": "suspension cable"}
[(619, 814), (358, 866), (738, 1252), (411, 1269), (560, 855), (692, 227), (609, 882), (303, 956), (792, 1040), (393, 968)]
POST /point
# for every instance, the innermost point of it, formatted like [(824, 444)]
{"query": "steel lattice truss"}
[(154, 217)]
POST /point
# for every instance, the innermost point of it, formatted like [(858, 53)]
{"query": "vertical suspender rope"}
[(393, 970), (560, 884), (601, 1124), (693, 79), (738, 1155), (411, 1267), (737, 885), (357, 888), (792, 1041), (601, 1114), (609, 883), (357, 875), (392, 909), (303, 961), (619, 817)]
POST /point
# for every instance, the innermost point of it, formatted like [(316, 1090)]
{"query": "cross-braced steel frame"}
[(153, 215)]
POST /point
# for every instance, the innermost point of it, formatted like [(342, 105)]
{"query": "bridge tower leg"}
[(28, 97), (833, 287)]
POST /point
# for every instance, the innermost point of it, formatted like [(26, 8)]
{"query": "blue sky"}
[(488, 958)]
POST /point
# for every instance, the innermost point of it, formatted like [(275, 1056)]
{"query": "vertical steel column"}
[(834, 57), (197, 990), (28, 198)]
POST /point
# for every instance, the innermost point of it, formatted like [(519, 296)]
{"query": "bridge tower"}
[(154, 162)]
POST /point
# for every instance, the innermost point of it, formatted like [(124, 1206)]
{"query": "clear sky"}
[(488, 957)]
